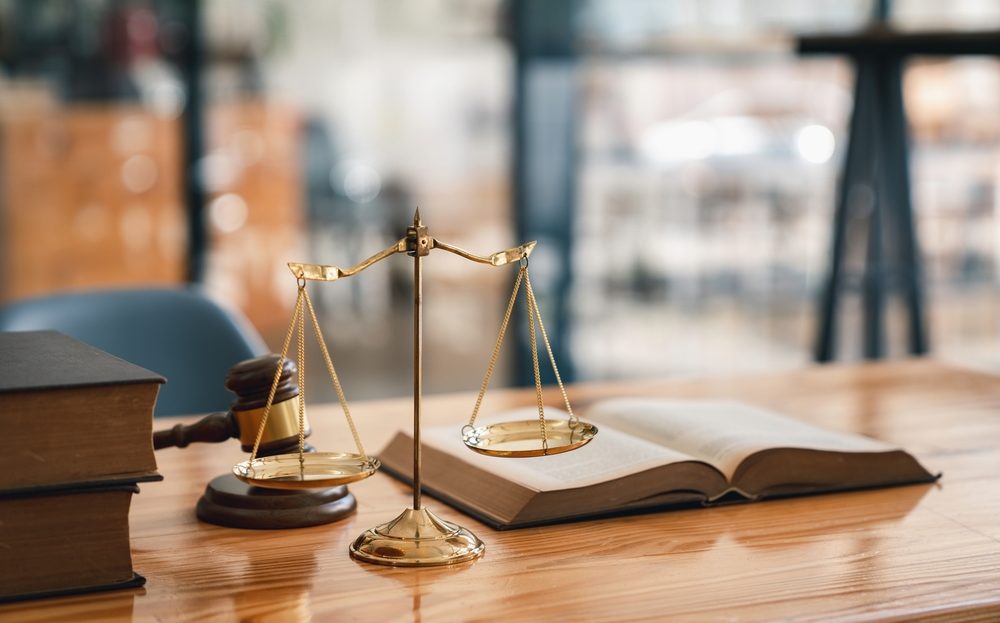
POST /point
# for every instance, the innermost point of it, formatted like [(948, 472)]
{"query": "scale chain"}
[(532, 312), (302, 380), (496, 349), (573, 419), (336, 380), (277, 377)]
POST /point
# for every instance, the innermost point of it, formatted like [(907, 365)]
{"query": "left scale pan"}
[(305, 470), (314, 470)]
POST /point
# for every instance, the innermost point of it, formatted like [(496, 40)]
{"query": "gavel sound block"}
[(227, 501)]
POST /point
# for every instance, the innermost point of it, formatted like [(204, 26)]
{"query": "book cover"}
[(71, 413), (66, 541)]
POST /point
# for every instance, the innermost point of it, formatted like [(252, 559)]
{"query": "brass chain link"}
[(336, 380), (277, 375), (302, 380), (532, 312), (496, 348), (297, 326), (573, 419)]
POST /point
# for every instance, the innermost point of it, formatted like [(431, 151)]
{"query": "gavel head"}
[(251, 381)]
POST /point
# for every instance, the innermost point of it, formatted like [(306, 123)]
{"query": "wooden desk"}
[(927, 552)]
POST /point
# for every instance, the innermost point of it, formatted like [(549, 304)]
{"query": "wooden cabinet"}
[(91, 197)]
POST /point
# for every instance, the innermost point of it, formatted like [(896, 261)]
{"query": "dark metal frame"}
[(876, 180)]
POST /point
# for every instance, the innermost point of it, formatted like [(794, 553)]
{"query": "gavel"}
[(230, 502), (251, 381)]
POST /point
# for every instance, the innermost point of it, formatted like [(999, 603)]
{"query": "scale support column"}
[(417, 537)]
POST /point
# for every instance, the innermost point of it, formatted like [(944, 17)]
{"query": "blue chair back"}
[(178, 333)]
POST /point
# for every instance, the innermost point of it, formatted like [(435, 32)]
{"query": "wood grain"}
[(926, 552)]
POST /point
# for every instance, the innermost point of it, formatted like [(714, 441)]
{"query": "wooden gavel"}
[(251, 381)]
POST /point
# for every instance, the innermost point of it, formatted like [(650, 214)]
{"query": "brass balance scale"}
[(416, 537)]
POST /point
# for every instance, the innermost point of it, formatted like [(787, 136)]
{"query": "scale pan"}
[(317, 471), (523, 438)]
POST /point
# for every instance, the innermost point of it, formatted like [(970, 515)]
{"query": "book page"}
[(611, 454), (721, 433)]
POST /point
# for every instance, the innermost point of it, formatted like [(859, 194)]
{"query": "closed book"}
[(65, 541), (72, 413)]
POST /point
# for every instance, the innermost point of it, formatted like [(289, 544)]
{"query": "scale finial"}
[(416, 218)]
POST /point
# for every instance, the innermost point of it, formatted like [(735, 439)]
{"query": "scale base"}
[(417, 538), (229, 502)]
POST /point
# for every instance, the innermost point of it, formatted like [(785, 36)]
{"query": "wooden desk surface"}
[(926, 552)]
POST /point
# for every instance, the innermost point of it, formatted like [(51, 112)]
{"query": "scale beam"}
[(326, 272), (500, 258)]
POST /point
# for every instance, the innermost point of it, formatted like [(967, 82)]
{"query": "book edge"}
[(112, 482), (747, 464), (159, 380), (135, 581), (634, 508), (923, 480)]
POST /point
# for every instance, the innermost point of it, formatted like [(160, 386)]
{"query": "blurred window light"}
[(131, 135), (166, 98), (139, 173), (219, 171), (228, 213), (739, 136), (815, 143), (361, 182), (961, 15), (678, 141), (631, 24), (672, 142)]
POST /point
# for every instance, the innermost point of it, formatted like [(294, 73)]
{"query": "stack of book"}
[(76, 425)]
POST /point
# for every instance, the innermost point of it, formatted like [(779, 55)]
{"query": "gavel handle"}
[(213, 427)]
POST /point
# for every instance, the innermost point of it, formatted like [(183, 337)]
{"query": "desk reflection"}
[(404, 590), (104, 606)]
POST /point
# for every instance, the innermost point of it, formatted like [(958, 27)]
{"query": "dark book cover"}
[(72, 414), (69, 540), (34, 360)]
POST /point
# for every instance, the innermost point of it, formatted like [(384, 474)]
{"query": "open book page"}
[(720, 433), (611, 454)]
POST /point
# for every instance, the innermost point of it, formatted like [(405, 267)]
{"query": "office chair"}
[(178, 333)]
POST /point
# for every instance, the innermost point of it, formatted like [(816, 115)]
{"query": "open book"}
[(651, 454)]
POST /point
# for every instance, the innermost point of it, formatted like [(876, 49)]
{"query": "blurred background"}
[(676, 160)]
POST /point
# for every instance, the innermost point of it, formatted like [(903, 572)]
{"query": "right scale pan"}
[(526, 438), (530, 437)]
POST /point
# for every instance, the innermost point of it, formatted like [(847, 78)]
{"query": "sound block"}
[(229, 502)]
